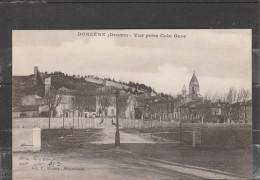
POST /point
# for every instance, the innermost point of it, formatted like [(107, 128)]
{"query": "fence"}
[(43, 123), (56, 123), (205, 134)]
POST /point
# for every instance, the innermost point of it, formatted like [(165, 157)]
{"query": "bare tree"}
[(83, 100), (233, 101), (243, 97), (124, 101), (78, 103), (204, 109), (105, 98), (52, 99), (228, 99)]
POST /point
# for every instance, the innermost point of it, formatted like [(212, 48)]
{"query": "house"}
[(31, 100), (29, 106), (246, 112), (162, 109), (106, 102), (241, 112), (148, 106), (66, 104), (188, 111), (26, 111)]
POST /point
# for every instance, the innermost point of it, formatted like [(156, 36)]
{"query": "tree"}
[(204, 109), (124, 101), (242, 97), (52, 99), (83, 100), (233, 101), (105, 98), (78, 103)]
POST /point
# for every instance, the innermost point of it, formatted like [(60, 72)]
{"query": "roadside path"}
[(109, 138), (109, 131)]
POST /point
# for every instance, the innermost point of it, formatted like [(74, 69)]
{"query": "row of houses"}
[(190, 106), (198, 111)]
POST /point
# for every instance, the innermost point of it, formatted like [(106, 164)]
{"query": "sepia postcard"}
[(133, 104)]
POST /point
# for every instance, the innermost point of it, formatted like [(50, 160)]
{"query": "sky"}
[(162, 59)]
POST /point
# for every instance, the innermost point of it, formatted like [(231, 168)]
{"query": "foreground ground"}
[(90, 154)]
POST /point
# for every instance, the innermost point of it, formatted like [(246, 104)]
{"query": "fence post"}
[(151, 127), (193, 138), (144, 126)]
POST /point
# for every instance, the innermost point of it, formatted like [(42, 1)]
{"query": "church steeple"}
[(194, 86)]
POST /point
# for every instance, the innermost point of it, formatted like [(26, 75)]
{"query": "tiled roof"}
[(189, 104), (27, 108)]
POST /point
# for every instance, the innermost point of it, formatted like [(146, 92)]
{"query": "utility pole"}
[(117, 135)]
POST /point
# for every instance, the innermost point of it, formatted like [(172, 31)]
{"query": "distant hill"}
[(22, 86), (26, 85), (60, 79)]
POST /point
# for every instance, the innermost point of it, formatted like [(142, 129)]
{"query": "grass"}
[(62, 140)]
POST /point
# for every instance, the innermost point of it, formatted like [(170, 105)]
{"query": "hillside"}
[(22, 86), (26, 85)]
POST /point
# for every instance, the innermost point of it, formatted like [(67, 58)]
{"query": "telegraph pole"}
[(117, 135)]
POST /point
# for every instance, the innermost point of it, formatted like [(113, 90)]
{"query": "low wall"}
[(56, 123), (226, 136), (207, 134), (26, 139), (43, 123), (216, 125), (127, 123)]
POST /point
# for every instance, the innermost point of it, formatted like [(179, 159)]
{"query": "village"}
[(79, 123), (95, 97)]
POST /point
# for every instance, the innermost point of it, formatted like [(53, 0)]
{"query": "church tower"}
[(194, 87)]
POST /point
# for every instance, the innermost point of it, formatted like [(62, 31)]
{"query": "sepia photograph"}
[(132, 104)]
